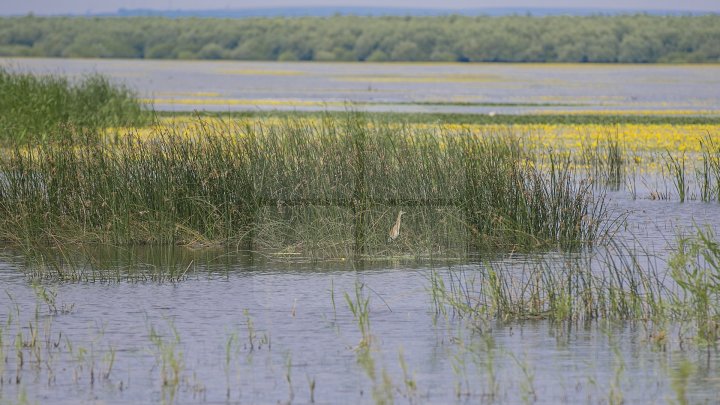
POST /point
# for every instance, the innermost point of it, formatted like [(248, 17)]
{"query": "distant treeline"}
[(605, 39)]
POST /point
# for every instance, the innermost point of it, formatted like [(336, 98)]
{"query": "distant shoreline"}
[(604, 39), (329, 11)]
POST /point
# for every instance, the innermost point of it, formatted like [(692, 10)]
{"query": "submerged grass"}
[(34, 107), (254, 185)]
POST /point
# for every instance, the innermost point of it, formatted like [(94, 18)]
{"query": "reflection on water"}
[(294, 321), (183, 326)]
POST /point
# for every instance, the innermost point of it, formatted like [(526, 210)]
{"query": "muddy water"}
[(460, 88)]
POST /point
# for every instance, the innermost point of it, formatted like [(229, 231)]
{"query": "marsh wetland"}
[(244, 258)]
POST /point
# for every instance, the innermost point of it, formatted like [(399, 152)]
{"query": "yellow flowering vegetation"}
[(632, 138)]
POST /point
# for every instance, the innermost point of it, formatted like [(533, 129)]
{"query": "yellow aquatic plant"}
[(632, 138)]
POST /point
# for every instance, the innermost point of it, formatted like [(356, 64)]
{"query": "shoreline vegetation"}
[(582, 39)]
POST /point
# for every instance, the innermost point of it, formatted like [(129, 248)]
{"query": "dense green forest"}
[(606, 39)]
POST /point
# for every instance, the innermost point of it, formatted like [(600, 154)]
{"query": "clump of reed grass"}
[(708, 174), (133, 192), (511, 201), (611, 282), (605, 160), (50, 107), (361, 313), (678, 173), (695, 268), (170, 359), (307, 184)]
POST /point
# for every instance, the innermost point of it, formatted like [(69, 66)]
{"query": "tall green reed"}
[(695, 268), (610, 282), (605, 160), (678, 173), (261, 184), (709, 173), (52, 107)]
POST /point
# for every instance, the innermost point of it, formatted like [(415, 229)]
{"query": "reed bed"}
[(615, 281), (610, 282), (667, 161), (252, 184), (50, 107), (685, 172)]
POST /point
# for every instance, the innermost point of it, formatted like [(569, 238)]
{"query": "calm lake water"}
[(500, 88), (237, 328), (302, 330)]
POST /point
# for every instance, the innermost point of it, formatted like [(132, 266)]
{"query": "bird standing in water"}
[(395, 230)]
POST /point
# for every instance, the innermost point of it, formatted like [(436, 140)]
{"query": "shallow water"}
[(568, 363), (296, 323), (230, 86)]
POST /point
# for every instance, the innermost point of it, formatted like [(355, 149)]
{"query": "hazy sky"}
[(94, 6)]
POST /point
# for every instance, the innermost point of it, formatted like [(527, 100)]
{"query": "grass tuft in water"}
[(695, 268), (678, 173), (170, 361), (610, 282), (605, 160)]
